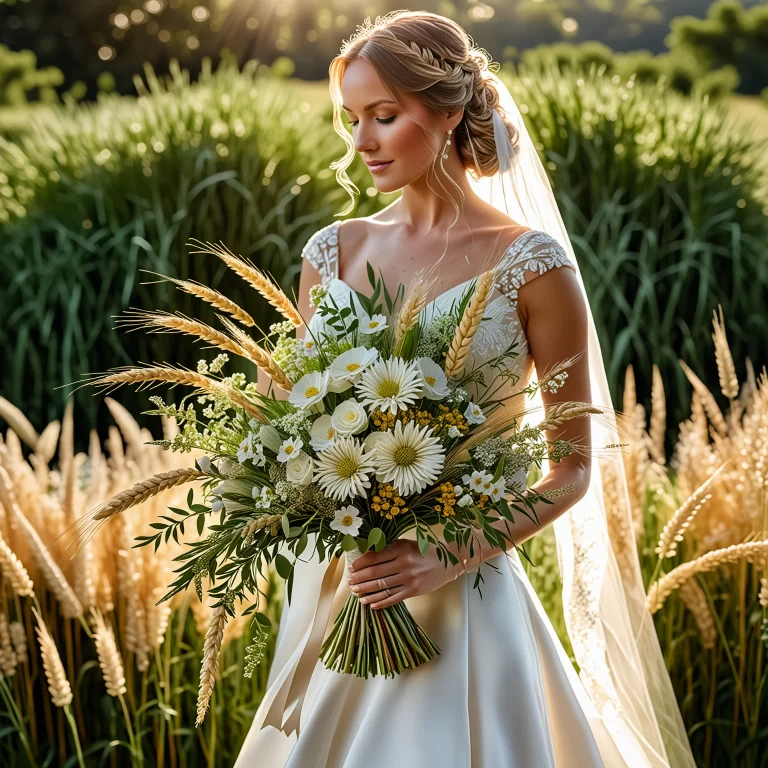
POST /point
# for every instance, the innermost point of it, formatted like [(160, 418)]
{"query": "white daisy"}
[(347, 368), (245, 449), (497, 489), (349, 418), (258, 459), (389, 385), (289, 448), (322, 433), (309, 390), (342, 469), (435, 382), (347, 520), (478, 480), (474, 414), (308, 348), (409, 457), (372, 324), (454, 431)]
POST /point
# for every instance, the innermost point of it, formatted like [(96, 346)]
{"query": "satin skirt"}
[(501, 694)]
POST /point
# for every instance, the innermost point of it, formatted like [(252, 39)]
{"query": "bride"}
[(429, 116)]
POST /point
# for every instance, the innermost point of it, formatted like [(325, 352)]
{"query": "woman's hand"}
[(401, 567)]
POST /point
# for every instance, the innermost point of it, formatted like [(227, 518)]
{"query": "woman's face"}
[(383, 132)]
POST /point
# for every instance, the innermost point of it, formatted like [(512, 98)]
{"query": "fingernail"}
[(349, 581)]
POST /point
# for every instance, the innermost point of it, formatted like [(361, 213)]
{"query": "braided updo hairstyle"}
[(432, 57)]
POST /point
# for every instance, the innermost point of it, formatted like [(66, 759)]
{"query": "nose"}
[(364, 140)]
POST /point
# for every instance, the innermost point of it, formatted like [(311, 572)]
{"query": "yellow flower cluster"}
[(447, 418), (383, 421), (447, 501), (387, 501)]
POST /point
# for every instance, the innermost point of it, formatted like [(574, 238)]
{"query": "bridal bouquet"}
[(375, 434)]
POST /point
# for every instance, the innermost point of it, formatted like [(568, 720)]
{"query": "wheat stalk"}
[(167, 322), (54, 577), (167, 374), (726, 370), (210, 665), (265, 521), (254, 277), (470, 322), (413, 303), (212, 297), (58, 685), (259, 356), (140, 492), (14, 571), (662, 588), (674, 530), (109, 657)]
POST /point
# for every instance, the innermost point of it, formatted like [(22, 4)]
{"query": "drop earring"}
[(447, 144)]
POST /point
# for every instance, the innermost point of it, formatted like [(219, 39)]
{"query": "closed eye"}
[(382, 120)]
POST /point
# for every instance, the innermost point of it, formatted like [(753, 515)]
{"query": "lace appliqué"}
[(322, 251), (533, 250)]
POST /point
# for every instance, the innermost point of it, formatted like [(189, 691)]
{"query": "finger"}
[(373, 572), (383, 600), (374, 585), (372, 558)]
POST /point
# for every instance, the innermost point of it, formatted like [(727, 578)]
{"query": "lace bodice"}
[(531, 254)]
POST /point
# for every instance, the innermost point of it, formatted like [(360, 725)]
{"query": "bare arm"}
[(554, 315), (308, 278)]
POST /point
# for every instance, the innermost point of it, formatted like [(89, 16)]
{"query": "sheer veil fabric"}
[(611, 631)]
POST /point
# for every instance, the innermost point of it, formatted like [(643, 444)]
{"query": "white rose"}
[(349, 418), (370, 441), (322, 433), (299, 469)]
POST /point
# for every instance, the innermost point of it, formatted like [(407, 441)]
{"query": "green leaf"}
[(303, 540), (283, 566), (423, 542), (362, 544), (286, 525), (499, 470), (200, 525), (294, 531), (190, 497), (371, 274), (374, 536), (348, 543), (262, 619)]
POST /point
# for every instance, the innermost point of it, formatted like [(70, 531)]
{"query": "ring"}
[(385, 588)]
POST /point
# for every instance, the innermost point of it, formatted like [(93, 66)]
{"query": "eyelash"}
[(382, 120)]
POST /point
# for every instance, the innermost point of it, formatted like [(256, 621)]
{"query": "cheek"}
[(408, 140)]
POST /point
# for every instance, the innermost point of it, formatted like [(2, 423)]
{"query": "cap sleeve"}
[(531, 254), (322, 251)]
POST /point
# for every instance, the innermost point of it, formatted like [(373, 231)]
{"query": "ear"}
[(454, 118)]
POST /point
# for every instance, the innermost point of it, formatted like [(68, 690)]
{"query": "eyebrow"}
[(373, 104)]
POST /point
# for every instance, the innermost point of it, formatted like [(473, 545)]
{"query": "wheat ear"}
[(661, 589), (711, 407), (414, 301), (658, 417), (18, 422), (141, 491), (470, 322), (259, 356), (19, 639), (158, 374), (165, 321), (254, 277), (14, 571), (58, 685), (559, 413), (726, 370), (212, 297), (696, 601), (210, 665), (681, 518), (109, 657)]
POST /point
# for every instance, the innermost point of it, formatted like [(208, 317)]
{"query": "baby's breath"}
[(316, 294)]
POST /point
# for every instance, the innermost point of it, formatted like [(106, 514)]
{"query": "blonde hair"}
[(434, 58)]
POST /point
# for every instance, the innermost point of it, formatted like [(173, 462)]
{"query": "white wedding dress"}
[(502, 693)]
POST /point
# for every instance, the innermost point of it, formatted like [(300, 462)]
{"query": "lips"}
[(378, 166)]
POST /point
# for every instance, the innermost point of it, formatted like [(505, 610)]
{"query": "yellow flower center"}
[(352, 367), (289, 449), (347, 520), (309, 344), (311, 392), (374, 324), (405, 455), (331, 432), (388, 388), (346, 467), (350, 416), (430, 380)]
